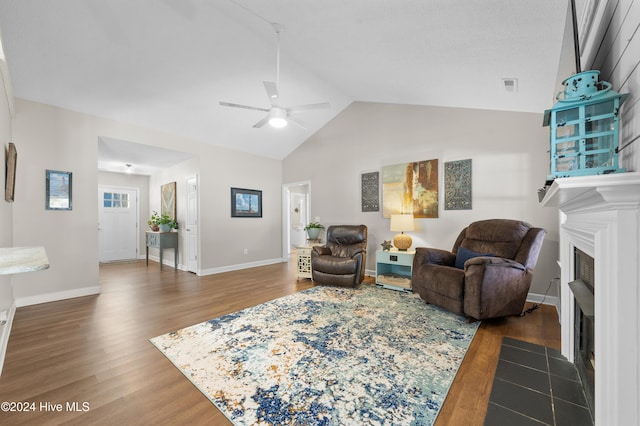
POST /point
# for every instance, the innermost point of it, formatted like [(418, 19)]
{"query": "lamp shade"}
[(402, 222)]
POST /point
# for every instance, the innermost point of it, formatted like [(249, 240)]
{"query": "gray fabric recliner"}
[(341, 261), (493, 284)]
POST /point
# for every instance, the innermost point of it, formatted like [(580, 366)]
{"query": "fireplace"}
[(600, 217), (582, 289)]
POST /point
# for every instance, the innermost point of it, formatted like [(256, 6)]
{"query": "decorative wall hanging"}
[(457, 185), (10, 172), (168, 203), (246, 202), (370, 192), (58, 190), (410, 188)]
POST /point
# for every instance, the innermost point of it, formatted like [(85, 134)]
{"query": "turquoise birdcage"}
[(584, 127)]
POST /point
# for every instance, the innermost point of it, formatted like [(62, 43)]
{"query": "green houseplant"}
[(313, 230), (163, 222)]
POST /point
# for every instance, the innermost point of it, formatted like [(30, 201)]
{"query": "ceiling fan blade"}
[(262, 122), (309, 106), (272, 90), (228, 104), (298, 122)]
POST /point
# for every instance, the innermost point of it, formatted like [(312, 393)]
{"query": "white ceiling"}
[(119, 156), (165, 64)]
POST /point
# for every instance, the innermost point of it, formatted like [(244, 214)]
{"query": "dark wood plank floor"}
[(92, 354)]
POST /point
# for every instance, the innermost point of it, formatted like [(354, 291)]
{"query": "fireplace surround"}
[(600, 215)]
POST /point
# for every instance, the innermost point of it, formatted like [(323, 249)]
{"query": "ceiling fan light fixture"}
[(278, 118)]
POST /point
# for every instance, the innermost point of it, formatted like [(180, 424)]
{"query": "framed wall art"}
[(457, 185), (370, 192), (11, 157), (410, 188), (58, 192), (246, 202), (168, 200)]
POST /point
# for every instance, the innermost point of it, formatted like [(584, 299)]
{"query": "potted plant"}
[(163, 222), (313, 230)]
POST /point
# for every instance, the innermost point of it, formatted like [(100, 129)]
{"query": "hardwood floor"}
[(94, 351)]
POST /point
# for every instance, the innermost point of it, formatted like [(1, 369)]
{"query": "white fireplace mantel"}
[(600, 215)]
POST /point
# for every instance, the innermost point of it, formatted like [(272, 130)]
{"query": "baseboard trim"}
[(58, 295), (166, 262), (240, 266), (544, 300), (5, 330)]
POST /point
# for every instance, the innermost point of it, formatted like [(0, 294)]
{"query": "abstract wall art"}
[(410, 188)]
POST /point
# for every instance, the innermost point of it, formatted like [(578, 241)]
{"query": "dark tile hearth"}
[(535, 385)]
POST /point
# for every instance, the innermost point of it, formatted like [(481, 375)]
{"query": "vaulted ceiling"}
[(166, 64)]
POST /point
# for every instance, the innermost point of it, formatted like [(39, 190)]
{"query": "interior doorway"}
[(296, 203)]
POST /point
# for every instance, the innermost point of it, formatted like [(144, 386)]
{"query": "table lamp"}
[(401, 223)]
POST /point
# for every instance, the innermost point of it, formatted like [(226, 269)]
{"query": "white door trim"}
[(192, 266), (286, 212)]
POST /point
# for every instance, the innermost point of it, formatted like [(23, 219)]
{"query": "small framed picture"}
[(246, 202), (58, 190)]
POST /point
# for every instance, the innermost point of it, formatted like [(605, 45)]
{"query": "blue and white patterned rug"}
[(325, 356)]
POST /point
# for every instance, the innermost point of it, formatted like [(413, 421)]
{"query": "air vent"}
[(510, 85)]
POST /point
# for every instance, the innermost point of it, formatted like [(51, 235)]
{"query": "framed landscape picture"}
[(246, 202)]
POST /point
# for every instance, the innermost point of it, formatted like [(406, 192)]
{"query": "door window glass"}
[(116, 200)]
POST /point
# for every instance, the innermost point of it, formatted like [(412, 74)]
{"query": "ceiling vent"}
[(510, 85)]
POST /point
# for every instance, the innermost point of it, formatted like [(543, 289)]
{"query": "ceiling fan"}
[(278, 116)]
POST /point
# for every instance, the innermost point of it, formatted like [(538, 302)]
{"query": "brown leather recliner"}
[(341, 261), (495, 261)]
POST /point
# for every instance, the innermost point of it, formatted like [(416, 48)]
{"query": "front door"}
[(117, 223)]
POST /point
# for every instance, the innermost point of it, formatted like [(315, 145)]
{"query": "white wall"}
[(223, 248), (6, 209), (509, 161), (54, 138)]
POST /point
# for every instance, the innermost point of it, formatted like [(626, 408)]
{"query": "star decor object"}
[(386, 246)]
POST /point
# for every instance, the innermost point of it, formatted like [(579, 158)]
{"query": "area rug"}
[(325, 356)]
